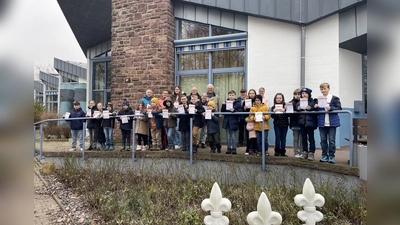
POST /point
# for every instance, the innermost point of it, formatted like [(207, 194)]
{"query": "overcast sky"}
[(53, 36)]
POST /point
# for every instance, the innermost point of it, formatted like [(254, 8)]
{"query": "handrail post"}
[(351, 137), (34, 141), (263, 145), (83, 140), (191, 140), (133, 140), (41, 142)]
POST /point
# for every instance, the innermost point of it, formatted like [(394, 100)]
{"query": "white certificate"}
[(181, 109), (259, 117), (303, 103), (96, 114), (165, 113), (66, 116), (322, 101), (229, 105), (191, 109), (208, 114), (279, 107), (289, 107), (176, 104), (137, 112), (106, 114), (247, 103), (124, 119), (149, 114), (89, 113)]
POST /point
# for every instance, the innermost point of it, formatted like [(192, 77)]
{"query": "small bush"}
[(50, 128), (48, 167), (38, 110), (65, 131)]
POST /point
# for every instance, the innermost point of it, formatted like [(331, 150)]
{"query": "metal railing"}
[(40, 123)]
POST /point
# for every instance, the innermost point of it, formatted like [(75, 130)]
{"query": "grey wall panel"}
[(201, 14), (267, 8), (361, 12), (252, 7), (227, 19), (238, 5), (313, 10), (295, 10), (329, 6), (345, 3), (240, 22), (197, 1), (210, 2), (347, 25), (189, 12), (178, 10), (283, 9), (223, 4), (214, 17)]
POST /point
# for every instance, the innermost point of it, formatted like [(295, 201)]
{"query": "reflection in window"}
[(228, 58), (198, 81), (99, 73), (221, 31), (98, 96), (192, 30), (101, 82), (224, 82), (193, 61)]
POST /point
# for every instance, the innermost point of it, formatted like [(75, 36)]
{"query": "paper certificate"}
[(124, 119), (191, 109), (279, 107), (289, 107), (165, 113), (137, 113), (66, 116), (247, 103), (208, 114), (176, 104), (303, 103), (181, 109), (259, 117), (89, 113), (96, 114), (229, 105), (106, 115), (149, 114), (322, 101)]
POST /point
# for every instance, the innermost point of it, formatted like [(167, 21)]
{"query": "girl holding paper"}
[(258, 108), (281, 123), (247, 104), (125, 124), (141, 128), (170, 123)]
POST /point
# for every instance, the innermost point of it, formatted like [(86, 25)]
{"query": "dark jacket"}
[(76, 124), (305, 119), (157, 115), (172, 119), (280, 119), (198, 116), (213, 124), (189, 96), (146, 100), (109, 122), (184, 120), (231, 122), (294, 117), (93, 123), (125, 126), (334, 120)]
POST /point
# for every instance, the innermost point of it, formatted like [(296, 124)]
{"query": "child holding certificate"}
[(260, 107), (141, 128), (170, 123), (125, 124), (213, 136), (231, 121), (281, 123), (294, 125), (308, 123)]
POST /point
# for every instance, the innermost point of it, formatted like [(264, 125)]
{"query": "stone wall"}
[(142, 49)]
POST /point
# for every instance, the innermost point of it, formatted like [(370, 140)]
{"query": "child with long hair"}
[(281, 123), (142, 129)]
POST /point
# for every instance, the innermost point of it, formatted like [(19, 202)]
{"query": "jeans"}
[(170, 135), (231, 138), (185, 139), (93, 136), (202, 134), (259, 140), (76, 134), (307, 133), (328, 141), (297, 145), (108, 132), (242, 129), (280, 137), (177, 137)]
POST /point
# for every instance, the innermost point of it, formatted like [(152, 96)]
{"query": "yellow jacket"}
[(260, 108)]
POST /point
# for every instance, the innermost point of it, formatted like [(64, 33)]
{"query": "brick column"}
[(142, 49)]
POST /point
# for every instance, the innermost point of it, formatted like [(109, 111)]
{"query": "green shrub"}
[(38, 110)]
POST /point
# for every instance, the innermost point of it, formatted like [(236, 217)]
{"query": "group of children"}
[(169, 118)]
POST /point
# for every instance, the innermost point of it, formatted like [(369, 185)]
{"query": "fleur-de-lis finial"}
[(264, 214), (309, 200), (216, 204)]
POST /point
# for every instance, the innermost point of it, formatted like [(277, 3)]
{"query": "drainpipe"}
[(303, 57)]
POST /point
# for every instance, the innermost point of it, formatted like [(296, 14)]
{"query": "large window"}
[(365, 80), (101, 82)]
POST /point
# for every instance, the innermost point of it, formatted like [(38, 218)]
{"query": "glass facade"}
[(101, 82)]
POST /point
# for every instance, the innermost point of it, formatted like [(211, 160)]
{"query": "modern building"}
[(280, 45)]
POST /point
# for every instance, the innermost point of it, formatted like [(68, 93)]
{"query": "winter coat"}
[(260, 108), (305, 119), (142, 125), (214, 97), (250, 128), (213, 123), (280, 119), (189, 96), (334, 120), (231, 122), (93, 123), (109, 122), (76, 124), (198, 116), (146, 100), (157, 121), (184, 120), (294, 117), (125, 126), (172, 119)]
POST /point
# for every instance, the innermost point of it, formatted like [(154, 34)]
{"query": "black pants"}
[(126, 137), (141, 137), (93, 132), (242, 129), (307, 133)]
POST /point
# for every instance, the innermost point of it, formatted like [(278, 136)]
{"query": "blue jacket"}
[(146, 100), (77, 124), (213, 124), (334, 120), (158, 117), (231, 122), (305, 119)]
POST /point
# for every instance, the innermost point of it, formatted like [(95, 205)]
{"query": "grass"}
[(173, 195)]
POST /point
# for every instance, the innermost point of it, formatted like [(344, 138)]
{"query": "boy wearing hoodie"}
[(170, 123), (213, 135), (76, 125)]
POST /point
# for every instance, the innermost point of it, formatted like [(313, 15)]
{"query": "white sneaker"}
[(72, 149), (177, 147), (246, 153), (145, 148), (138, 148), (81, 149), (297, 155)]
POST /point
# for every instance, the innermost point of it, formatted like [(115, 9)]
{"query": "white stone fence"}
[(264, 214)]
